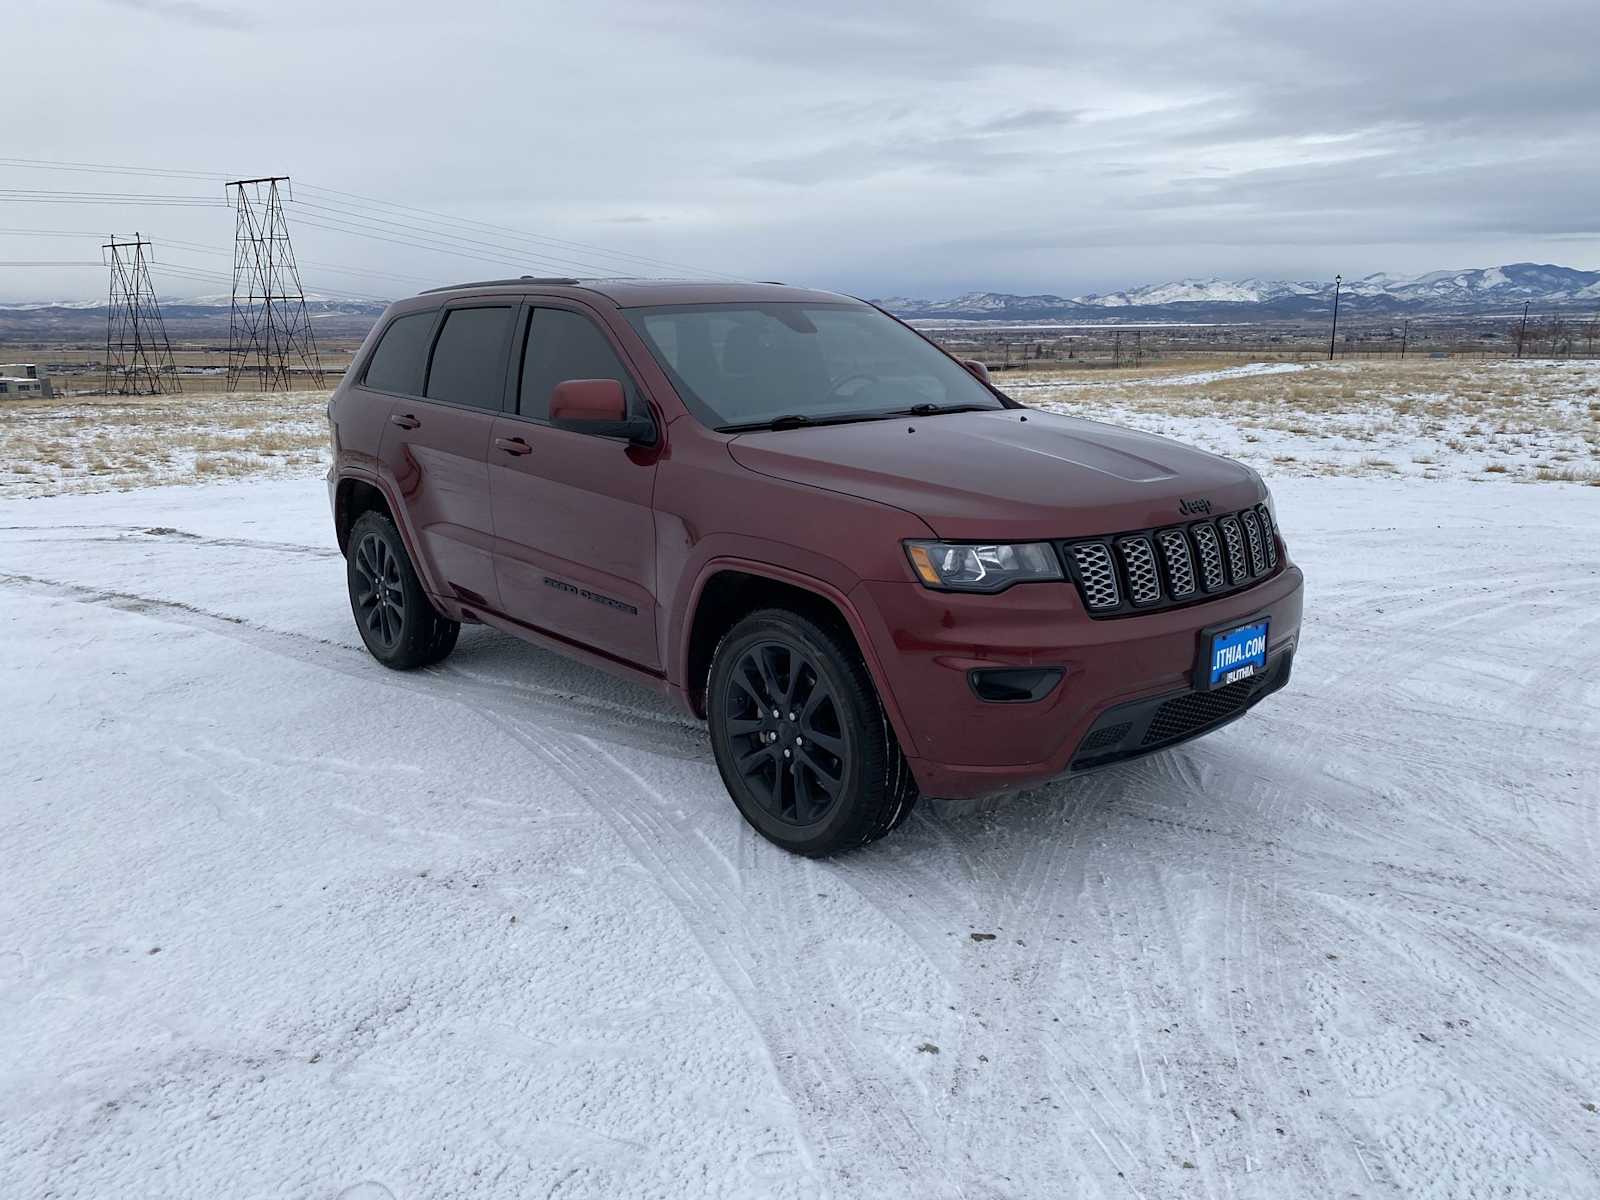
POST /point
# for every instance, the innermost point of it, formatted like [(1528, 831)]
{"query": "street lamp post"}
[(1333, 337)]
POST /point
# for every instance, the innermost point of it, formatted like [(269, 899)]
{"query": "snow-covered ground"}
[(1452, 419), (277, 922)]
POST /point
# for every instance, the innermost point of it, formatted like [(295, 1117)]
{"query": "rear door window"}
[(398, 361), (563, 345), (469, 359)]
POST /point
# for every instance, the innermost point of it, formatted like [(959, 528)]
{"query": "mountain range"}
[(1501, 289), (1483, 289)]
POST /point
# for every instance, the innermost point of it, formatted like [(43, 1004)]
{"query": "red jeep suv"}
[(872, 573)]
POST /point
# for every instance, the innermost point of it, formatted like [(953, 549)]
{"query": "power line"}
[(388, 226), (464, 222), (434, 229), (198, 248), (437, 232), (50, 164), (53, 196)]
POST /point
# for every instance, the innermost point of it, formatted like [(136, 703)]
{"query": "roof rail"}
[(477, 283)]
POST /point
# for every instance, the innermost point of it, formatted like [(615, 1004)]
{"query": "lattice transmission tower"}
[(138, 354), (269, 331)]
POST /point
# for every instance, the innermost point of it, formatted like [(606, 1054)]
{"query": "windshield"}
[(738, 365)]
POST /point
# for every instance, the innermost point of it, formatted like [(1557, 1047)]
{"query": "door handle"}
[(513, 445), (404, 420)]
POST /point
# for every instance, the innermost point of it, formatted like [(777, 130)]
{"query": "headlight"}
[(961, 567)]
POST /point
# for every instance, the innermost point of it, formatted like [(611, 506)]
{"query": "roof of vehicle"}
[(637, 293)]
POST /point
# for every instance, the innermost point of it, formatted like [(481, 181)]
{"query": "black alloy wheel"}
[(379, 599), (800, 735), (782, 718), (396, 620)]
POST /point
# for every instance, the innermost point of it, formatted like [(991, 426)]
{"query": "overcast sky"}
[(878, 147)]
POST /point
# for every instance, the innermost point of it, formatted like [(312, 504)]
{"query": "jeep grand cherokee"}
[(872, 573)]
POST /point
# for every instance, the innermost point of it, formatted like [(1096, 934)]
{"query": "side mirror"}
[(977, 369), (599, 407)]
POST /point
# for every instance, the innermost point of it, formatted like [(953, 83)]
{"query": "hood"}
[(1008, 474)]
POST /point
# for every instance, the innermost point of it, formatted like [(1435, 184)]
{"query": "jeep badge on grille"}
[(1190, 507)]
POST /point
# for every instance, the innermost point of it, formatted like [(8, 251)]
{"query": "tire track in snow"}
[(165, 534), (565, 709), (807, 1061)]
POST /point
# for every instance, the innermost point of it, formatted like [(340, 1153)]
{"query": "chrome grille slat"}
[(1139, 561), (1238, 569), (1096, 575), (1180, 565), (1252, 533), (1268, 534), (1205, 540)]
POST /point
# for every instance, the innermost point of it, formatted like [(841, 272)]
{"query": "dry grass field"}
[(1467, 418)]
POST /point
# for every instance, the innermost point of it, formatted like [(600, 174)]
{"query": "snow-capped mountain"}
[(1484, 288), (197, 317)]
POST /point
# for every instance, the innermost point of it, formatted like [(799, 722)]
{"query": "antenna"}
[(267, 325), (138, 354)]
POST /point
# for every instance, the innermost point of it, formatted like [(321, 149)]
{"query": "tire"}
[(826, 774), (398, 623)]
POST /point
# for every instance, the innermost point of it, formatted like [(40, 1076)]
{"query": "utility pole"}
[(138, 354), (267, 323), (1405, 333), (1524, 327), (1333, 337)]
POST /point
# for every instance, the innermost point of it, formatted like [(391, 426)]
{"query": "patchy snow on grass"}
[(1460, 419), (1243, 371), (279, 922), (108, 443)]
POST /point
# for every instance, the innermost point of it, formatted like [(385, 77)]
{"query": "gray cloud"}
[(902, 146), (190, 12)]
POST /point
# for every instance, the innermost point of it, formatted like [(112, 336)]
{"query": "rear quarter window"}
[(469, 361), (398, 362)]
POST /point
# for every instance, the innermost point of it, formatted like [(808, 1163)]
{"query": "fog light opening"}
[(1013, 685)]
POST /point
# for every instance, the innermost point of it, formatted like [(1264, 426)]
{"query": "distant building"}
[(11, 388), (26, 373)]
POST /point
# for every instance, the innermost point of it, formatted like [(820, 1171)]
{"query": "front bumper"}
[(960, 746)]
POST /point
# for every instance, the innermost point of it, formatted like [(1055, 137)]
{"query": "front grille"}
[(1266, 531), (1161, 568), (1097, 578), (1233, 542), (1252, 534), (1205, 540), (1180, 566), (1142, 726), (1187, 713), (1143, 585), (1101, 738)]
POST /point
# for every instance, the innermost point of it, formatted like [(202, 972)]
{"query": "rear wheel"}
[(800, 736), (398, 623)]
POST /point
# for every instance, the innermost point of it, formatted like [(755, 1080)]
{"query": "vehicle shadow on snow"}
[(1182, 786)]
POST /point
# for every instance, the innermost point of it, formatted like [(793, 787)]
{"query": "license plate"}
[(1234, 654)]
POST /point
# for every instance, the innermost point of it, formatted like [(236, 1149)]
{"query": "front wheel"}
[(398, 623), (800, 736)]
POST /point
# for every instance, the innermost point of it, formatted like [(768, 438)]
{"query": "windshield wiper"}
[(932, 410), (795, 420)]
